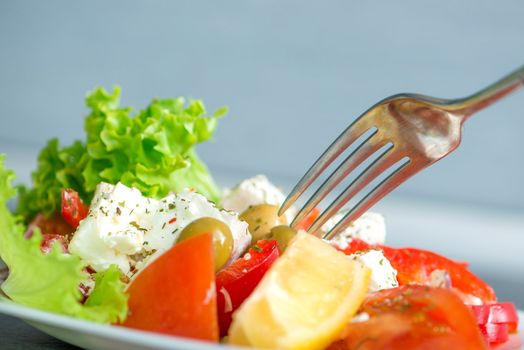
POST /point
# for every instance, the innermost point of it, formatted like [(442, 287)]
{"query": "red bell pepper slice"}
[(513, 343), (497, 313), (306, 223), (236, 282), (495, 333), (415, 266), (496, 321)]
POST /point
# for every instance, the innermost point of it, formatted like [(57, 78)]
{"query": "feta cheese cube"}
[(130, 230), (176, 211), (383, 275), (370, 227), (114, 227), (252, 191)]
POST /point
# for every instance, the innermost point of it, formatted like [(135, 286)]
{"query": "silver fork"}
[(414, 131)]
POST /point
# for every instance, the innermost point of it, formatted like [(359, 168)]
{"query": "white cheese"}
[(112, 230), (176, 211), (130, 230), (383, 275), (370, 227), (254, 191)]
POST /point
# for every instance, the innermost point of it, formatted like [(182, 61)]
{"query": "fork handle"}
[(467, 106)]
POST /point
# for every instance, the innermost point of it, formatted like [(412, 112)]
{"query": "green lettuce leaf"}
[(58, 168), (51, 281), (153, 151)]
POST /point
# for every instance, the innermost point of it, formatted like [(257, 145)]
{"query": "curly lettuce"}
[(153, 151), (51, 281)]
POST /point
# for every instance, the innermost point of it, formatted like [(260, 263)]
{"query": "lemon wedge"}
[(305, 299)]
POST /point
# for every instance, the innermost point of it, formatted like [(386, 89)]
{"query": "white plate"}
[(91, 335)]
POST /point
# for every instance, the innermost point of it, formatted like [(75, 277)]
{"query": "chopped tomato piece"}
[(413, 317), (73, 208), (416, 265), (306, 223), (53, 229), (236, 282), (53, 225), (176, 294), (48, 240)]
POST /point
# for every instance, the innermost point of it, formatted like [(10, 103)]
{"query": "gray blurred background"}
[(294, 74)]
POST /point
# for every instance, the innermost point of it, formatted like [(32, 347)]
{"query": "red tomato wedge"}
[(176, 294), (236, 282), (413, 317), (73, 208), (415, 266)]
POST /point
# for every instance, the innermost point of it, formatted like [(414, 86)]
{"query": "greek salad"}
[(127, 227)]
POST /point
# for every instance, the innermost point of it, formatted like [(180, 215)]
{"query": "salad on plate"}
[(127, 227)]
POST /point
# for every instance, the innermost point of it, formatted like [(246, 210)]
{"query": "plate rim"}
[(28, 314)]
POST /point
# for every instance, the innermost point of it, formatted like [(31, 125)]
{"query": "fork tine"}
[(343, 141), (379, 165), (383, 188), (359, 155)]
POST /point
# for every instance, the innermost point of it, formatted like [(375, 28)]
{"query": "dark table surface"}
[(16, 334)]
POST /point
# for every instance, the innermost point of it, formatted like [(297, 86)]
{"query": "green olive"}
[(283, 234), (222, 237), (261, 218)]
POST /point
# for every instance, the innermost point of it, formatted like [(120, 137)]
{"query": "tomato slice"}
[(416, 265), (176, 294), (236, 282), (413, 317), (73, 208)]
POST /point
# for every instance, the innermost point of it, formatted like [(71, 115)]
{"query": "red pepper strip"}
[(494, 333), (415, 266), (236, 282), (306, 223), (513, 343), (497, 313)]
